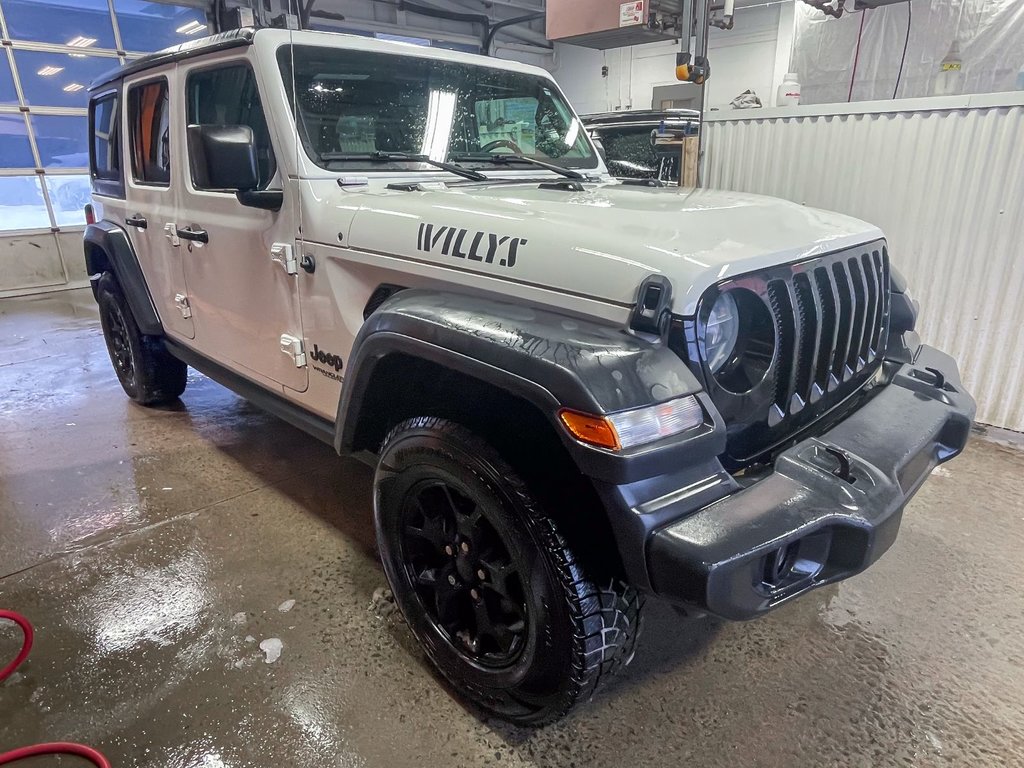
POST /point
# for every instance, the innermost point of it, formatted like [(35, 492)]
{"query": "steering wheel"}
[(502, 144)]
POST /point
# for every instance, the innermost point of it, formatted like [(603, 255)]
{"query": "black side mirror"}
[(224, 157)]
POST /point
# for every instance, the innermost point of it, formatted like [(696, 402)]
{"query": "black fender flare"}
[(549, 359), (108, 248)]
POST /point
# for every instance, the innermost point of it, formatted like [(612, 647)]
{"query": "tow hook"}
[(940, 379), (843, 470)]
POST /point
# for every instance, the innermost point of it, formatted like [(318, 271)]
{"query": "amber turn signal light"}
[(594, 430)]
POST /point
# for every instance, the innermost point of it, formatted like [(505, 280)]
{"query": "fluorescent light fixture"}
[(49, 71), (72, 87), (191, 28), (81, 41), (77, 55), (440, 121)]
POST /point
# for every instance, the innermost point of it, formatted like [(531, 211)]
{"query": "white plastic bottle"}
[(789, 91), (949, 81)]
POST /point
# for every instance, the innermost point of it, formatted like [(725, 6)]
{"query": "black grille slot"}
[(840, 369), (808, 314), (881, 306), (860, 316), (829, 298), (782, 310), (867, 348)]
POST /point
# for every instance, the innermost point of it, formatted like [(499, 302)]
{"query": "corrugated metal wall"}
[(946, 186)]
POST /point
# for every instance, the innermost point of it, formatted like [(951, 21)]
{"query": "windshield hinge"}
[(354, 181), (284, 255), (294, 348), (407, 186), (569, 185)]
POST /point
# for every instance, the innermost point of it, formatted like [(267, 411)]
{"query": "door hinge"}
[(295, 349), (181, 302), (171, 233), (284, 255)]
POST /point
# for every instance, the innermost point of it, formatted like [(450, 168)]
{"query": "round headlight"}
[(721, 333)]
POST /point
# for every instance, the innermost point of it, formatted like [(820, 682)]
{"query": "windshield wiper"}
[(401, 157), (516, 158)]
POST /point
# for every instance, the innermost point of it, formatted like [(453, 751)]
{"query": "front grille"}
[(820, 349), (830, 317)]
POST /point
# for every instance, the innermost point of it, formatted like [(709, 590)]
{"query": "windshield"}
[(352, 104), (629, 154)]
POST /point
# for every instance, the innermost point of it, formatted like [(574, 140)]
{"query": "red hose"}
[(26, 646), (56, 748)]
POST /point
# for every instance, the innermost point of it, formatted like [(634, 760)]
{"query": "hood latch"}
[(653, 310)]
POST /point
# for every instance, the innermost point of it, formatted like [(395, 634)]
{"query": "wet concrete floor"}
[(202, 580)]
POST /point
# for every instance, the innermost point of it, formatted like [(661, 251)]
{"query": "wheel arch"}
[(548, 359), (108, 249)]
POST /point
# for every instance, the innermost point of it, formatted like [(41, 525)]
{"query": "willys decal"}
[(473, 246)]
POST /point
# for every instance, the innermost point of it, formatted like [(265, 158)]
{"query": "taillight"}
[(90, 214)]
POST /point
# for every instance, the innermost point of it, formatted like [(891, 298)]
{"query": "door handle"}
[(137, 221), (195, 235)]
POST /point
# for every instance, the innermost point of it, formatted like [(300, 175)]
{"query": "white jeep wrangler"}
[(577, 392)]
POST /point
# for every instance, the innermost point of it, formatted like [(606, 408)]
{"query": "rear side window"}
[(228, 95), (105, 147), (149, 123)]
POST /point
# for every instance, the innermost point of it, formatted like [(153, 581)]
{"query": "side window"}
[(105, 152), (228, 96), (149, 123)]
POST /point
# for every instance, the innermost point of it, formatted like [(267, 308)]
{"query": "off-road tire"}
[(148, 374), (578, 631)]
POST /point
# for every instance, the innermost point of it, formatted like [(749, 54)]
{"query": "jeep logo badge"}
[(325, 358), (482, 246)]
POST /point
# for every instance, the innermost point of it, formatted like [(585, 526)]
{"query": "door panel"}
[(243, 300), (151, 200)]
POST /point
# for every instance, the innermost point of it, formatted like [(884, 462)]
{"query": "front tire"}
[(149, 375), (487, 583)]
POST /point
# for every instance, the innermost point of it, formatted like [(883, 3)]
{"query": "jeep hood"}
[(598, 243)]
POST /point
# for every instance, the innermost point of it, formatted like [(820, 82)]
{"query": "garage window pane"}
[(59, 79), (21, 203), (69, 194), (147, 26), (63, 142), (79, 23), (15, 151), (7, 93)]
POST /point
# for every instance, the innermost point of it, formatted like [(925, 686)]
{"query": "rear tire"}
[(148, 374), (487, 583)]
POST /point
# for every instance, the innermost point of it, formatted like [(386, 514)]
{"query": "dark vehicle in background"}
[(625, 140)]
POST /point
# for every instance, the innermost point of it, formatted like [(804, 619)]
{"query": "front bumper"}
[(802, 526)]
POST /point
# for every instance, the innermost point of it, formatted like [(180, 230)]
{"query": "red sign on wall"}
[(633, 13)]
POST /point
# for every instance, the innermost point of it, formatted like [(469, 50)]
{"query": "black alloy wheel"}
[(120, 349), (463, 575), (148, 374), (488, 585)]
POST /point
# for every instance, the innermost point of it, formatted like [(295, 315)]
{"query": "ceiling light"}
[(191, 28), (48, 71), (72, 87), (77, 55), (81, 41)]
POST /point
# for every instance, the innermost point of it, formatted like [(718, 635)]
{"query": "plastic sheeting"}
[(990, 33)]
